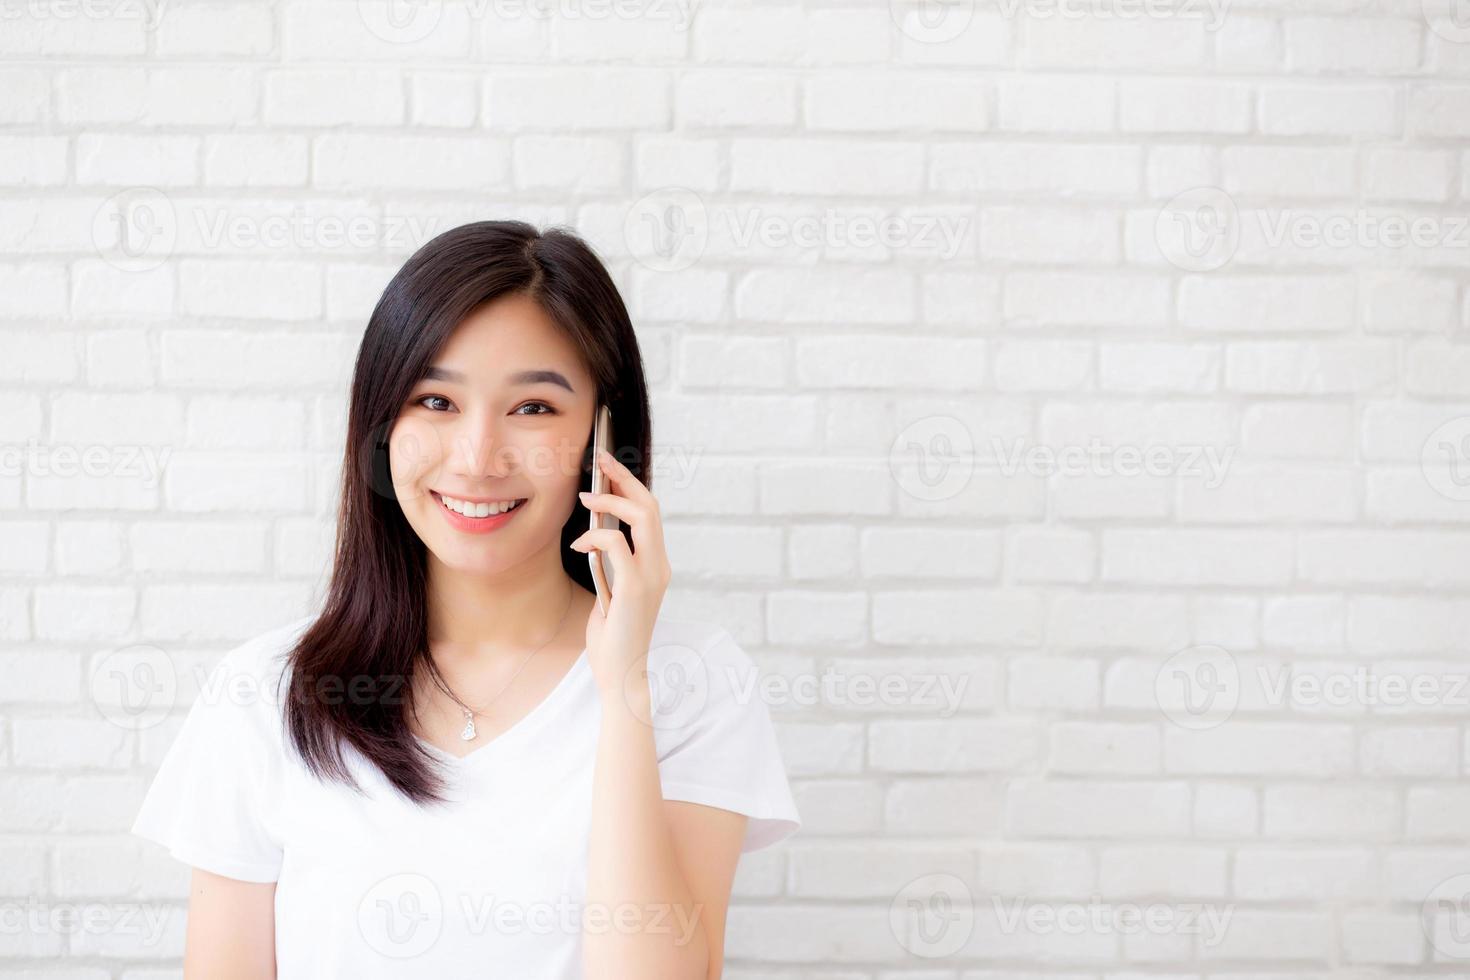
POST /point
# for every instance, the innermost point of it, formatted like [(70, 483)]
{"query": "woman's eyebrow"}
[(541, 376)]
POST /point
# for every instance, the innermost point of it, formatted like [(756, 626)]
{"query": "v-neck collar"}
[(522, 725)]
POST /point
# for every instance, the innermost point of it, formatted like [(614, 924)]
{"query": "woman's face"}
[(504, 414)]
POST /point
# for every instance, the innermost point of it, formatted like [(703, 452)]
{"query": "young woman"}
[(460, 767)]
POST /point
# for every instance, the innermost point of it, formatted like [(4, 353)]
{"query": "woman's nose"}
[(476, 449)]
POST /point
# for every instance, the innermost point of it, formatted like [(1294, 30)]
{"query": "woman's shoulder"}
[(270, 643), (270, 649), (673, 634), (703, 650), (254, 672)]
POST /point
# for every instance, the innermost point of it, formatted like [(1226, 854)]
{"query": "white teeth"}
[(477, 510)]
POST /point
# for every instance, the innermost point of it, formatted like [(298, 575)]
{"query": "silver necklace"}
[(469, 733)]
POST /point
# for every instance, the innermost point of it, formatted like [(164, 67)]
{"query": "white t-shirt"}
[(491, 885)]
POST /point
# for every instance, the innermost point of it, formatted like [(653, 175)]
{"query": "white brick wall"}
[(1091, 377)]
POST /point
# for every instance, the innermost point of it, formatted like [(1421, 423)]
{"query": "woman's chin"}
[(476, 557)]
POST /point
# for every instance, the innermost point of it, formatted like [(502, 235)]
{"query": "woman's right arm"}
[(231, 932)]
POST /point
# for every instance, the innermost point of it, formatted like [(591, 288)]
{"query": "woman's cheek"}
[(414, 451)]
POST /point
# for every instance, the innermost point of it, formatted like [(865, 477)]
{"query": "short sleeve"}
[(722, 751), (206, 802)]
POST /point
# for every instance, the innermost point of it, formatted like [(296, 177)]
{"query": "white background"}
[(837, 420)]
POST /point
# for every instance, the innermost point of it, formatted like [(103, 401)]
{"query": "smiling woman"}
[(480, 439), (459, 766)]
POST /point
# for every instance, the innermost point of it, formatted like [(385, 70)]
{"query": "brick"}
[(1336, 110), (1116, 809), (865, 102), (1352, 45)]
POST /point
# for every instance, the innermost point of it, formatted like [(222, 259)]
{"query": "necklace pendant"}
[(469, 727)]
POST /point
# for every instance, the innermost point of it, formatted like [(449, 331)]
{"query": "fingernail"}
[(584, 494)]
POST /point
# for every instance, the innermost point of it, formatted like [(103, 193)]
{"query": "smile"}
[(476, 517)]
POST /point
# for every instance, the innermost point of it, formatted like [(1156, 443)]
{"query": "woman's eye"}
[(434, 399), (548, 409)]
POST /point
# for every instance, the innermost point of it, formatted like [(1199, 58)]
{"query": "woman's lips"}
[(475, 525)]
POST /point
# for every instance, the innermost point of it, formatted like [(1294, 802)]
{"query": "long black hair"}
[(352, 668)]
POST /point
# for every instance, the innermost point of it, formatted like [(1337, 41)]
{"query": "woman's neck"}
[(502, 613)]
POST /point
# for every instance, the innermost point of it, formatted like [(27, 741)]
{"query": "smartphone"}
[(602, 569)]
